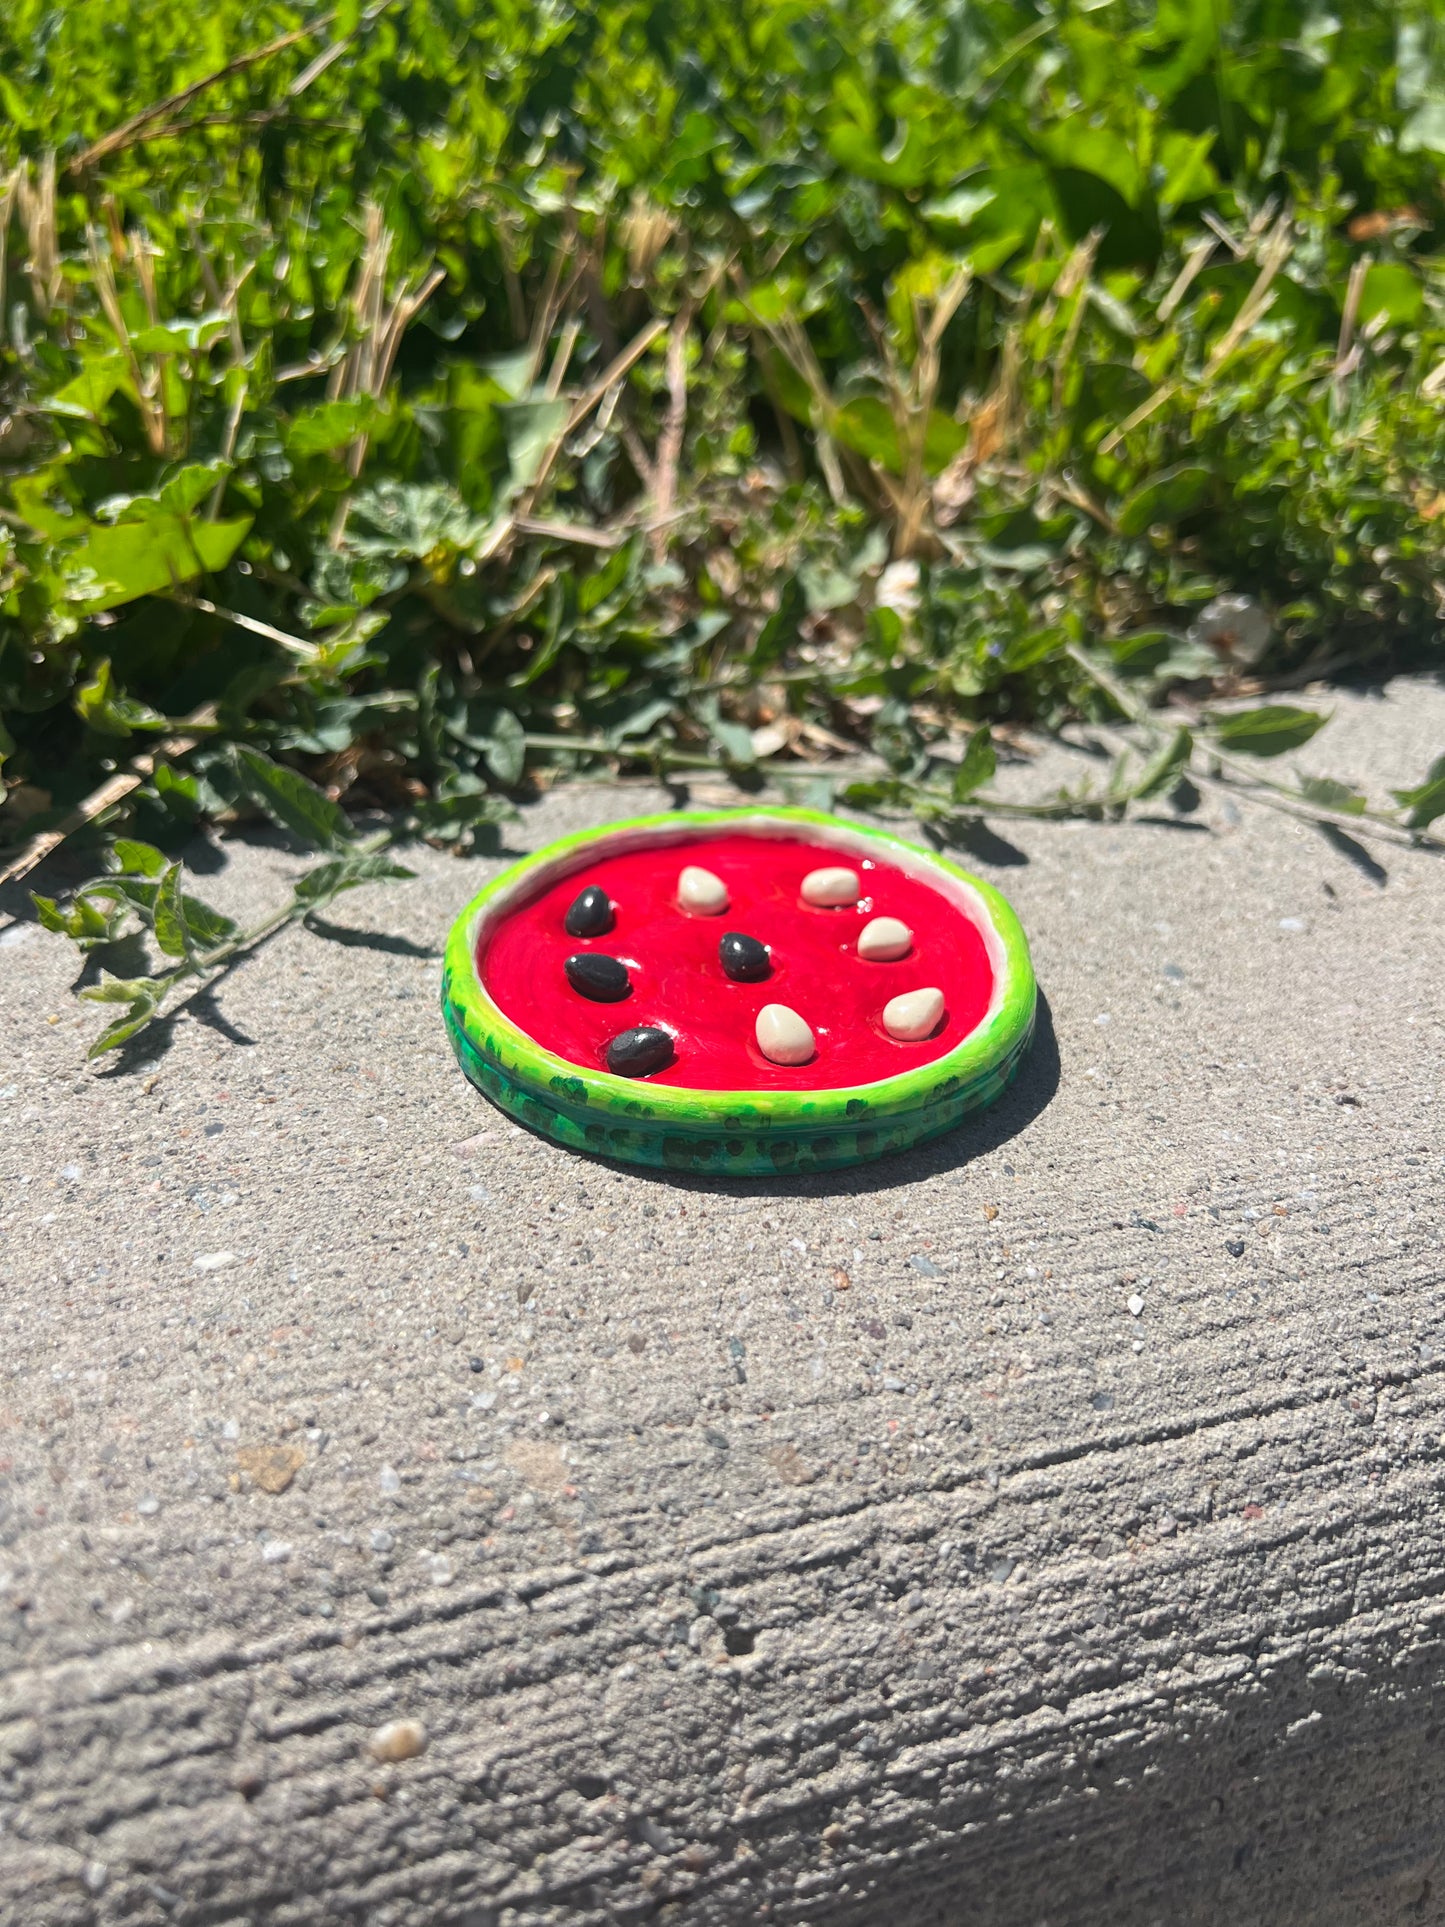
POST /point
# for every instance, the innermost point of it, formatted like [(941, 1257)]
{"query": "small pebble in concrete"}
[(743, 958), (590, 914), (271, 1467), (914, 1015), (782, 1036), (1136, 1305), (830, 889), (398, 1740), (884, 940), (702, 893), (639, 1052), (603, 979)]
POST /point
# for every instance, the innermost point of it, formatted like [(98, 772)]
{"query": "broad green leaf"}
[(904, 163), (190, 486), (531, 427), (866, 425), (138, 891), (123, 990), (1188, 172), (959, 205), (178, 790), (779, 633), (1427, 800), (292, 801), (329, 426), (1034, 646), (124, 1028), (1164, 769), (734, 740), (637, 720), (328, 880), (512, 373), (978, 765), (206, 928), (104, 708), (1393, 291), (877, 792), (1268, 731), (179, 337), (167, 918), (139, 859), (1330, 795), (1143, 650), (506, 751), (1093, 150), (83, 922), (1424, 131), (825, 587), (1165, 497), (87, 394), (112, 565)]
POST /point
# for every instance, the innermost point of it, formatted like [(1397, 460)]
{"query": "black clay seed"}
[(590, 915), (603, 979), (640, 1052), (744, 959)]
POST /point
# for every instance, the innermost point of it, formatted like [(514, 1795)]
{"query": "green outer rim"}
[(744, 1133)]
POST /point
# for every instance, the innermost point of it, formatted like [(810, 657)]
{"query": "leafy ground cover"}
[(401, 406)]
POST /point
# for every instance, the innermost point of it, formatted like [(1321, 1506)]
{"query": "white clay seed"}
[(701, 892), (783, 1037), (914, 1015), (831, 889), (884, 940)]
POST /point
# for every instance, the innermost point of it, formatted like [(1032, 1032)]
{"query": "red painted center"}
[(678, 982)]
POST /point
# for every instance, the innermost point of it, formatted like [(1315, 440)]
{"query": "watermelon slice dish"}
[(738, 992)]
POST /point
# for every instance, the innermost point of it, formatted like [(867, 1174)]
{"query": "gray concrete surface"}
[(1041, 1529)]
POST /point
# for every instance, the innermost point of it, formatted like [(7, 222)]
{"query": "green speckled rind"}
[(733, 1133)]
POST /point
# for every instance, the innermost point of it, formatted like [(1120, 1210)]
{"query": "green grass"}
[(425, 394)]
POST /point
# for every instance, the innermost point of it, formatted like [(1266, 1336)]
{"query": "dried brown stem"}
[(112, 791)]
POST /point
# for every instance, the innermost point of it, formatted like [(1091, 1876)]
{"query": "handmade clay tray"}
[(526, 1038)]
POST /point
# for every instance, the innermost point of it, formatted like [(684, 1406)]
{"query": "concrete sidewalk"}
[(1040, 1530)]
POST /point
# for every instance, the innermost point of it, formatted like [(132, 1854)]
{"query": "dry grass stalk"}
[(645, 231), (609, 380), (1273, 254), (141, 124), (9, 193), (379, 322), (1073, 285), (912, 391), (150, 398), (112, 791), (1347, 355), (229, 305), (36, 203), (669, 444), (790, 338), (1194, 265)]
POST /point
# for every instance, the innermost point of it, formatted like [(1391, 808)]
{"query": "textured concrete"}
[(1044, 1528)]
